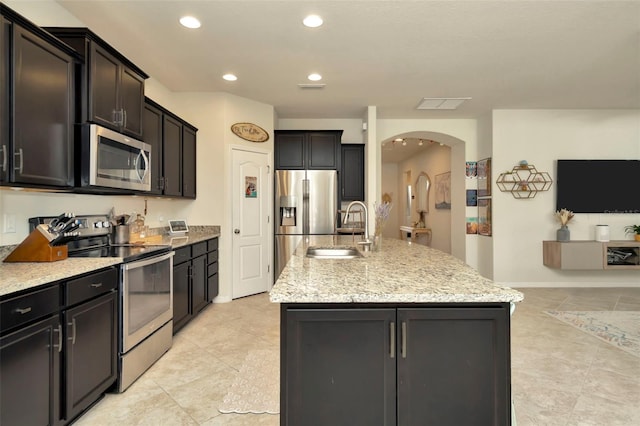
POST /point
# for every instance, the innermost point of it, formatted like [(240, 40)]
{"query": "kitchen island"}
[(406, 335)]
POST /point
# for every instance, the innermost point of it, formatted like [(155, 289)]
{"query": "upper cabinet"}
[(352, 172), (173, 151), (112, 87), (312, 150), (36, 106)]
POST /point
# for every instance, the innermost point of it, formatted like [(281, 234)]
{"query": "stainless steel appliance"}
[(305, 204), (112, 160), (145, 326)]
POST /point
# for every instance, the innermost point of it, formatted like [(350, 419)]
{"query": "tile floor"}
[(560, 375)]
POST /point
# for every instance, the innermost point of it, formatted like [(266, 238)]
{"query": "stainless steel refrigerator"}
[(305, 204)]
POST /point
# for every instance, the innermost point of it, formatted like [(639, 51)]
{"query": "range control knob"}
[(106, 224), (97, 224)]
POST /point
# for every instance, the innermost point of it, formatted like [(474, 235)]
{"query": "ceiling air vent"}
[(311, 85), (440, 103)]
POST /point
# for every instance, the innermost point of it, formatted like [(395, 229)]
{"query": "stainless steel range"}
[(145, 294)]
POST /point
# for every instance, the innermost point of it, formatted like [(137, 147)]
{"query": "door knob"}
[(236, 231)]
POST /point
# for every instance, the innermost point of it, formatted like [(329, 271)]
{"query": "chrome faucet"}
[(366, 218)]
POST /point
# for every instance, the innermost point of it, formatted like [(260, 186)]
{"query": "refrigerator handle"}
[(305, 206)]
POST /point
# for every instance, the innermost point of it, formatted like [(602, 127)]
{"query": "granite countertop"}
[(18, 276), (401, 272)]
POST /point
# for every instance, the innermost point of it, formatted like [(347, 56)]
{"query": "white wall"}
[(393, 185), (520, 226)]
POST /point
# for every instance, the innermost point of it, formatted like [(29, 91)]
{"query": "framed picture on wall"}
[(484, 216), (443, 191), (472, 197), (484, 177)]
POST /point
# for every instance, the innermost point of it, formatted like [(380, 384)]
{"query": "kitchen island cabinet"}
[(363, 344)]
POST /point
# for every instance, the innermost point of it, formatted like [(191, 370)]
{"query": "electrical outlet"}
[(9, 224)]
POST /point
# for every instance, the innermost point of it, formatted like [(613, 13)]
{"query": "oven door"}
[(147, 298)]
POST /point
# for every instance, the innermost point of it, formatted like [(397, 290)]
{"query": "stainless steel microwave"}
[(112, 160)]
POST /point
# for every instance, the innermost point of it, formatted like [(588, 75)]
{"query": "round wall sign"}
[(250, 132)]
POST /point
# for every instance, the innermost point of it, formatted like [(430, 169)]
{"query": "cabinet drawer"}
[(212, 269), (93, 285), (212, 257), (182, 255), (212, 244), (25, 308), (199, 249)]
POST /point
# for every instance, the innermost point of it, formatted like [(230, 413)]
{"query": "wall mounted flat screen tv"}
[(598, 186)]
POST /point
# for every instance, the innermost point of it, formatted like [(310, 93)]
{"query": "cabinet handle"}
[(124, 117), (59, 345), (73, 331), (23, 311), (392, 337), (3, 148), (95, 285), (403, 337), (21, 162)]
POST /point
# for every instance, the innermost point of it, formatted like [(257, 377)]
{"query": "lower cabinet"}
[(30, 372), (91, 350), (195, 280), (395, 365), (58, 349)]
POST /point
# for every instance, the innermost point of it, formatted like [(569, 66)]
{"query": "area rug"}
[(256, 388), (618, 328)]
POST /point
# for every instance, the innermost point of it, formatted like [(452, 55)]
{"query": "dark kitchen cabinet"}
[(312, 150), (429, 365), (152, 134), (352, 172), (58, 349), (112, 87), (195, 280), (37, 112), (213, 284), (91, 350), (30, 372), (188, 162), (173, 157)]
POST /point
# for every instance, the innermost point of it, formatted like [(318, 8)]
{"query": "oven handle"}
[(149, 261)]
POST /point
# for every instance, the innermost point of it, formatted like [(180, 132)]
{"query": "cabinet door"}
[(339, 367), (5, 41), (29, 367), (290, 151), (131, 102), (172, 156), (152, 134), (104, 80), (43, 112), (91, 352), (189, 162), (181, 295), (199, 283), (453, 366), (323, 150), (352, 176)]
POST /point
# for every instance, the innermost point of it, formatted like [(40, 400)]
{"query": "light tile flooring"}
[(560, 375)]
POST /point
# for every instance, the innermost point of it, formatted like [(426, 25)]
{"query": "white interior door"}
[(250, 246)]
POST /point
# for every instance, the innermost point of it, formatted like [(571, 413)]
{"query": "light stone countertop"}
[(18, 276), (402, 272)]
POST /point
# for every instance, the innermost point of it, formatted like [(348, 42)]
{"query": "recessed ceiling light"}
[(230, 77), (314, 77), (312, 21), (398, 140), (190, 22)]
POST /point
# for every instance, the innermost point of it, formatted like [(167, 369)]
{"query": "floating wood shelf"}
[(524, 181)]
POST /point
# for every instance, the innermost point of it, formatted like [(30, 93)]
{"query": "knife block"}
[(36, 248)]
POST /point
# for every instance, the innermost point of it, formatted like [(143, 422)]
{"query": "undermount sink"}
[(333, 252)]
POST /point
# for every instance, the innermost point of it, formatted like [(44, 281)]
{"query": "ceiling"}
[(389, 54)]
